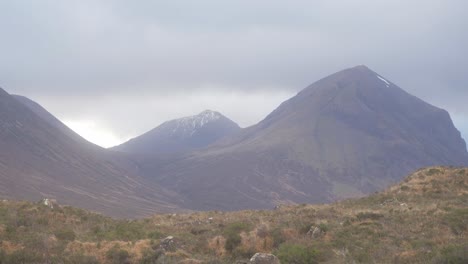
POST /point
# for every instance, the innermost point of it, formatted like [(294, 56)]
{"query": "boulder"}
[(264, 258), (51, 203), (315, 232), (168, 244)]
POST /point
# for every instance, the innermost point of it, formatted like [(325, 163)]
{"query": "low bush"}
[(304, 228), (65, 235), (324, 227), (297, 254), (22, 256), (232, 234), (155, 235), (80, 259), (431, 172), (455, 254), (457, 220), (116, 255), (127, 231), (368, 215), (278, 237), (233, 240), (150, 256)]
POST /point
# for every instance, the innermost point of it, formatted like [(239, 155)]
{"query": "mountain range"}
[(349, 134)]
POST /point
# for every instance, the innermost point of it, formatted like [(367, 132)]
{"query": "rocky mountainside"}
[(349, 134), (42, 158), (183, 134)]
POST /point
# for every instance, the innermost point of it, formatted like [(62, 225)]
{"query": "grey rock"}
[(168, 244), (51, 203), (264, 258), (315, 232)]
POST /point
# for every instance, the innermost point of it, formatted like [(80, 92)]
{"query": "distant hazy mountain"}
[(351, 133), (183, 134), (40, 157)]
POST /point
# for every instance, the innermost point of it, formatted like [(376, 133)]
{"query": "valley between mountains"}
[(347, 135)]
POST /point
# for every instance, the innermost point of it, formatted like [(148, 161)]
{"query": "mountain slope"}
[(48, 117), (183, 134), (39, 159), (346, 135)]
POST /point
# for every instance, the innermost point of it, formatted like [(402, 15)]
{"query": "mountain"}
[(423, 219), (349, 134), (41, 158), (183, 134), (49, 118)]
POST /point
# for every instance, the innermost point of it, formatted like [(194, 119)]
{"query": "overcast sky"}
[(115, 69)]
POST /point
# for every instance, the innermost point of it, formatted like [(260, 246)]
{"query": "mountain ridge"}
[(48, 117)]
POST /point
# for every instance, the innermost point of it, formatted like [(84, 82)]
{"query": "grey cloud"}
[(90, 49), (128, 116)]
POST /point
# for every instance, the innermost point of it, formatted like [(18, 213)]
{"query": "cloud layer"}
[(92, 60)]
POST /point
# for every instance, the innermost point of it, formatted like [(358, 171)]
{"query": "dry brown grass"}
[(216, 244)]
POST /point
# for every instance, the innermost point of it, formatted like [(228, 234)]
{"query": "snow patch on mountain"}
[(189, 125), (383, 80)]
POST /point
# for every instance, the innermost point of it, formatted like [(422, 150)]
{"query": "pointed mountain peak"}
[(210, 114), (360, 77), (360, 70), (361, 67), (208, 111), (183, 134), (193, 123), (202, 118)]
